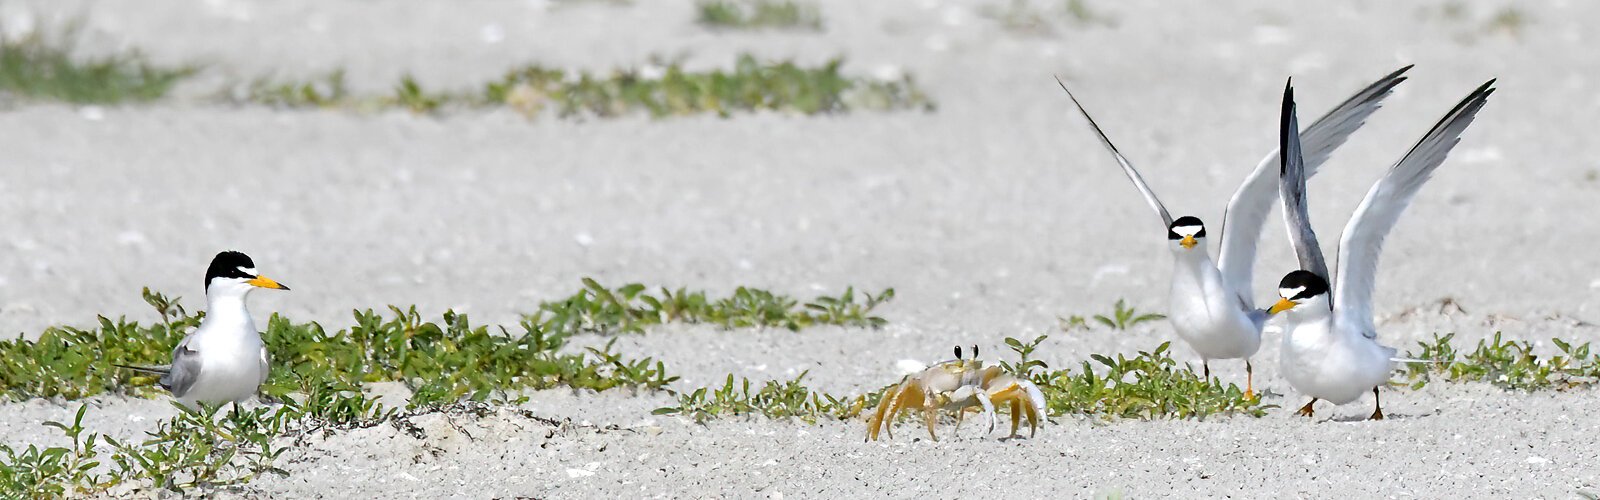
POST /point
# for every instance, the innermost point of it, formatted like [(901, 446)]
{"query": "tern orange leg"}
[(1377, 403), (1249, 380), (1306, 411)]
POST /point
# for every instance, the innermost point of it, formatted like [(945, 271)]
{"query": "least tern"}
[(1330, 345), (1211, 306), (224, 360)]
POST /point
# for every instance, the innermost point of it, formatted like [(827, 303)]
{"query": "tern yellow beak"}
[(1188, 242), (265, 282), (1281, 306)]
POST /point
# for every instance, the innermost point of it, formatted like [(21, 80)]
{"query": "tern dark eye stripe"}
[(1309, 283), (1186, 221), (228, 265)]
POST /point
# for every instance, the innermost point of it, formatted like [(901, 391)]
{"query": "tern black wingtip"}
[(1488, 87), (1287, 124), (153, 370)]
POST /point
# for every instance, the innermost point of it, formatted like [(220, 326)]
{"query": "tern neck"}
[(226, 307), (1192, 256), (1314, 310)]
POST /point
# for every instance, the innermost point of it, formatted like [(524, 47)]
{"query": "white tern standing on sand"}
[(224, 360), (1330, 345), (1211, 306)]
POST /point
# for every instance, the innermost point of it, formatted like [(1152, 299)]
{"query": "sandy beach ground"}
[(990, 217)]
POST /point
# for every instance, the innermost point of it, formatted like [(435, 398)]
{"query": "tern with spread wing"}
[(1330, 345), (1211, 306)]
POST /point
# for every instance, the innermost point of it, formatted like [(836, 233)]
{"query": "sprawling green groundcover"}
[(659, 89), (1147, 386), (319, 376), (759, 14), (1510, 364), (440, 362), (45, 66)]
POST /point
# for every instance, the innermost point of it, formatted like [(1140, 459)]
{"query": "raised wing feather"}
[(1247, 210), (1127, 168), (1363, 236), (1292, 182)]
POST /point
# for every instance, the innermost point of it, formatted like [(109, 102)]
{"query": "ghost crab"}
[(958, 385)]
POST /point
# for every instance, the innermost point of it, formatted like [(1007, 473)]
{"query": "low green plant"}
[(775, 399), (630, 308), (1147, 386), (326, 91), (205, 448), (1124, 317), (1079, 12), (195, 451), (447, 361), (664, 89), (54, 472), (1019, 16), (440, 362), (1510, 21), (758, 14), (72, 363), (1510, 364), (410, 95), (46, 66), (1068, 324), (337, 405), (659, 89), (1025, 366)]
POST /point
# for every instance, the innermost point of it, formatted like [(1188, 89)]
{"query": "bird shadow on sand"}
[(1345, 419)]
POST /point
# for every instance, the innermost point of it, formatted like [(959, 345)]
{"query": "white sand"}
[(990, 217)]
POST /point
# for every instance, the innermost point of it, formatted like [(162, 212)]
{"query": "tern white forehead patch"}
[(247, 270), (1290, 292), (1187, 230)]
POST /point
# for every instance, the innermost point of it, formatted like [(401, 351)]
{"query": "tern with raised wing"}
[(1330, 344), (1211, 305)]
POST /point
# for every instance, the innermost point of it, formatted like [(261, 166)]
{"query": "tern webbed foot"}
[(1307, 410)]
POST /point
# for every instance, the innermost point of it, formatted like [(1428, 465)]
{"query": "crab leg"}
[(877, 421), (960, 415), (1009, 392), (1016, 416), (930, 414), (910, 397), (902, 396), (988, 409), (1033, 421), (1035, 405)]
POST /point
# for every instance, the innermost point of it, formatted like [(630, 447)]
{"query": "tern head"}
[(233, 273), (1300, 288), (1186, 232)]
